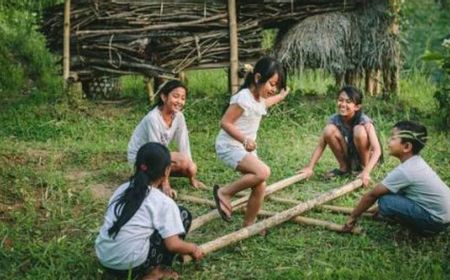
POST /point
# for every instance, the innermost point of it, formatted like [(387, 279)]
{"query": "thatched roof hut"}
[(342, 42)]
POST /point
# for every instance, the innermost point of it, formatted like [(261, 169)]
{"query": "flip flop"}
[(335, 173), (219, 204)]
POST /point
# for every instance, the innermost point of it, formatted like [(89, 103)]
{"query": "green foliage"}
[(27, 64), (442, 77)]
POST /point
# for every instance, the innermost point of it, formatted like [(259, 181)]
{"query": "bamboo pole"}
[(241, 202), (313, 222), (275, 220), (66, 43), (234, 79), (298, 219), (332, 208)]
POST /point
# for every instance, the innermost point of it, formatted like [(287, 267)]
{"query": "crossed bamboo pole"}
[(241, 202), (276, 219), (299, 219)]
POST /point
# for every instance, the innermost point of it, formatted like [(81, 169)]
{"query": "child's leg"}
[(182, 165), (254, 204), (334, 138), (362, 144), (255, 172), (407, 212)]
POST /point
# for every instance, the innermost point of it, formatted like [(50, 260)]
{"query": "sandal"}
[(219, 204), (335, 173)]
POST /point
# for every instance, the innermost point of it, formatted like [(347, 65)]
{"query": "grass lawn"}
[(58, 168)]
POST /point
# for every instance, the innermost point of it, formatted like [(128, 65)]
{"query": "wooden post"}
[(66, 43), (241, 202), (275, 220), (234, 60)]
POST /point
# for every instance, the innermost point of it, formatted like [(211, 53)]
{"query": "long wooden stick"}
[(66, 44), (232, 23), (332, 208), (313, 222), (241, 202), (275, 220), (298, 219)]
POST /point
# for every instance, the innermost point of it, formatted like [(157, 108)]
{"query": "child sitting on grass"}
[(163, 124), (144, 228), (351, 136), (412, 193)]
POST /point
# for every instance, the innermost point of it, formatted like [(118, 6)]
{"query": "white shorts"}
[(231, 155)]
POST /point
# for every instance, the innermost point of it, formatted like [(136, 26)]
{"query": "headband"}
[(408, 134)]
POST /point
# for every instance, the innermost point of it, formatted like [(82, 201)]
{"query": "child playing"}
[(412, 193), (143, 228), (236, 142), (164, 123), (351, 136)]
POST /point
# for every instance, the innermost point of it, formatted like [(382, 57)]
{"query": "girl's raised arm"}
[(272, 100)]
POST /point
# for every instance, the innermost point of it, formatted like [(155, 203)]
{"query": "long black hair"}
[(165, 89), (152, 161), (266, 67)]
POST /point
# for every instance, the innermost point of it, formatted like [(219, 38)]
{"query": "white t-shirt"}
[(415, 179), (152, 128), (248, 122), (131, 246)]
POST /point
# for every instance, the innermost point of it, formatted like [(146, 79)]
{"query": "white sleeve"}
[(244, 100), (168, 221), (396, 180), (182, 137)]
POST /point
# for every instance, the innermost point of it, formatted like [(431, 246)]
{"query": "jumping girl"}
[(143, 228), (236, 142), (163, 124), (352, 138)]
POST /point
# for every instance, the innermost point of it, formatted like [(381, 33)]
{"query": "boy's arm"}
[(308, 170), (365, 203), (272, 100), (176, 245)]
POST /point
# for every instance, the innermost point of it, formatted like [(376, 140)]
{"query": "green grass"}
[(57, 167)]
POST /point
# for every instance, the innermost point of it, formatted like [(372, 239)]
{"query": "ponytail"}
[(152, 161)]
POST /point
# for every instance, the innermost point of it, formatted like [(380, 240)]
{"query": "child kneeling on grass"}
[(412, 193), (144, 228)]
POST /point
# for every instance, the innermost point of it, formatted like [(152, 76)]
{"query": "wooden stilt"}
[(196, 200), (66, 44), (234, 60), (276, 219), (241, 202)]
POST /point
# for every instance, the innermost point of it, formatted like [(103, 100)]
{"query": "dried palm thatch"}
[(317, 42), (347, 43)]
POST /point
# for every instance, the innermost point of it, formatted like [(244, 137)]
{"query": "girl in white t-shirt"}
[(163, 124), (143, 228), (236, 142)]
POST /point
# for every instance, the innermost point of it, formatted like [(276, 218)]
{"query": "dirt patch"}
[(77, 175), (102, 191)]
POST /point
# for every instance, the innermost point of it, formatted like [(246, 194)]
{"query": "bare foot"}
[(169, 273), (155, 274), (198, 184)]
